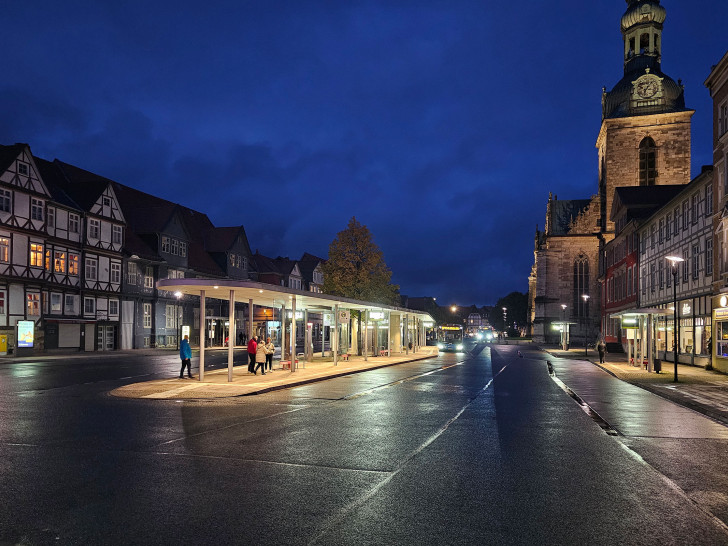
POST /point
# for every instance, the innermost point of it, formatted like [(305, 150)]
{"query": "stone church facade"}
[(644, 140)]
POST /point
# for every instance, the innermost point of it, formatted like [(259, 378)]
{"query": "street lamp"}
[(563, 326), (674, 261), (505, 322), (585, 297), (177, 295)]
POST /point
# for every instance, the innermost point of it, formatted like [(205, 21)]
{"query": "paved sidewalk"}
[(216, 385), (705, 391)]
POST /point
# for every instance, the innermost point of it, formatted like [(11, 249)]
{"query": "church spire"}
[(642, 33)]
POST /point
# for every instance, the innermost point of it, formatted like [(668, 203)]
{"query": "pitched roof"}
[(307, 264), (55, 181), (82, 186), (642, 201), (8, 154), (563, 213), (264, 264)]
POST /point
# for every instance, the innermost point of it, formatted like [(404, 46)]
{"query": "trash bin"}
[(657, 365)]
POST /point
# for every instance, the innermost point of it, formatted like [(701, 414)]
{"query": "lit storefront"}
[(694, 319), (720, 333)]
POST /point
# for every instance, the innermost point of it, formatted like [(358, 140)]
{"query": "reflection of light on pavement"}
[(27, 370)]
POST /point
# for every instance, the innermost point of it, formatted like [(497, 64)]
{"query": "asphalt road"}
[(478, 448)]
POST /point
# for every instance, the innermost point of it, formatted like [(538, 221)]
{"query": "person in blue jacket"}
[(185, 353)]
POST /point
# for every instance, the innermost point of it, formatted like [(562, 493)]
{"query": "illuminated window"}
[(147, 315), (149, 277), (59, 262), (48, 259), (4, 249), (73, 264), (2, 303), (648, 162), (36, 209), (33, 305), (36, 255)]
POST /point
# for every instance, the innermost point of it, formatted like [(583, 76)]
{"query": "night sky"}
[(441, 125)]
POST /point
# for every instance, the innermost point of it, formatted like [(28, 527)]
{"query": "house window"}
[(89, 306), (709, 255), (245, 262), (6, 199), (676, 221), (23, 168), (238, 261), (116, 235), (147, 315), (165, 244), (694, 207), (652, 277), (648, 162), (70, 304), (668, 219), (661, 231), (106, 201), (685, 214), (696, 260), (149, 277), (116, 273), (175, 247), (661, 274), (36, 255), (73, 264), (91, 269), (73, 223), (94, 229), (131, 273), (708, 199), (652, 236), (685, 264), (629, 281), (232, 260), (59, 262), (183, 249), (56, 303), (114, 308), (48, 259), (2, 303), (171, 309), (643, 278), (51, 220), (4, 249), (33, 304), (147, 342), (36, 209)]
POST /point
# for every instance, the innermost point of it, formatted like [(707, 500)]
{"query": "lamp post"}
[(177, 295), (674, 261), (585, 297), (563, 326)]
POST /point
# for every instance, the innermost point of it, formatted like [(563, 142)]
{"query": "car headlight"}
[(440, 346), (459, 347)]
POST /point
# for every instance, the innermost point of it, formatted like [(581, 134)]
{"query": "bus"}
[(450, 338)]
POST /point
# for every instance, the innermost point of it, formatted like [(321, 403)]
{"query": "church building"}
[(644, 140)]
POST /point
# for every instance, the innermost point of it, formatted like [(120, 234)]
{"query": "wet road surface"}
[(480, 448)]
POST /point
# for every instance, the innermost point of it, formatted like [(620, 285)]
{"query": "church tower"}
[(644, 138)]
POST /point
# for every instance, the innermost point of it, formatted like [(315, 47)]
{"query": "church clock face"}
[(647, 89)]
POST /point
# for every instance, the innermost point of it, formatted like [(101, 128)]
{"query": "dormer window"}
[(106, 201), (23, 168)]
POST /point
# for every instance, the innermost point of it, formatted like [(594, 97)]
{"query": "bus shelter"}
[(405, 328), (640, 325)]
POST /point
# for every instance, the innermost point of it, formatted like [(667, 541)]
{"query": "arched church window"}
[(581, 286), (648, 162)]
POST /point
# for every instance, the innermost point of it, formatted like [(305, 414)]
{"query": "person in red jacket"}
[(252, 349)]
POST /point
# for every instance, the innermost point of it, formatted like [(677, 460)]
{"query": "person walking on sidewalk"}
[(269, 350), (260, 358), (252, 349), (602, 348), (185, 353)]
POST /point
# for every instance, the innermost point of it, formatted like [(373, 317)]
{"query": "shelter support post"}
[(231, 334), (366, 335), (335, 339), (293, 334), (203, 334), (250, 319)]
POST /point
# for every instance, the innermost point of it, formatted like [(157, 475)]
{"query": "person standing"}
[(269, 350), (260, 357), (185, 353), (252, 349)]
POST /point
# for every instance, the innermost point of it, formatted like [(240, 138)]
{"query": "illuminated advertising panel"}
[(26, 333)]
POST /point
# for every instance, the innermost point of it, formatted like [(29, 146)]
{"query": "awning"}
[(641, 312)]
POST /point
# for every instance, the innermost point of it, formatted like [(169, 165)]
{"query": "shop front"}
[(720, 333), (694, 322)]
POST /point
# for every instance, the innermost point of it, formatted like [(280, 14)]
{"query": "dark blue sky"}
[(441, 125)]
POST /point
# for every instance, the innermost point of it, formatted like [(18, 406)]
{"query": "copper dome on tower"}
[(643, 11)]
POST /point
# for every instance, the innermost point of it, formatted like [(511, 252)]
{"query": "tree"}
[(356, 269), (516, 304)]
